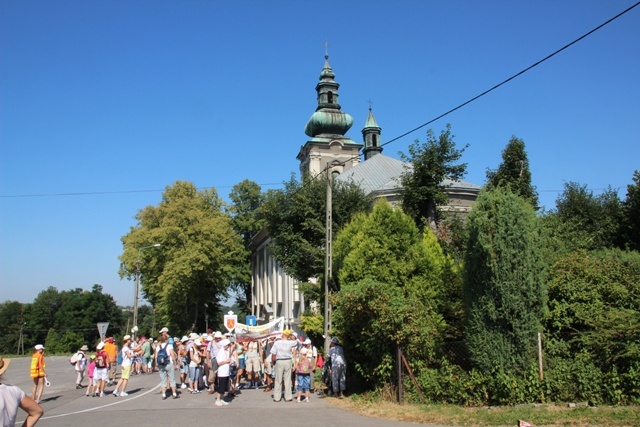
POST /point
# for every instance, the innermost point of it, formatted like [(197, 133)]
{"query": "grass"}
[(541, 415)]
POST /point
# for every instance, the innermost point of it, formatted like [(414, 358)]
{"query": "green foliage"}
[(296, 218), (246, 202), (514, 172), (631, 215), (64, 342), (504, 289), (200, 257), (433, 168), (312, 324), (11, 322), (583, 220), (391, 291), (63, 321), (373, 318), (594, 312)]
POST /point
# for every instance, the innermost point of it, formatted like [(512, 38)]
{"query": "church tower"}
[(371, 135), (327, 128)]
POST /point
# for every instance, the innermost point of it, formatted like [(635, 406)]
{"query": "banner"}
[(230, 321), (261, 331)]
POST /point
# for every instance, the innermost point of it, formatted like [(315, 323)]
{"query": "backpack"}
[(100, 362), (74, 359), (163, 357)]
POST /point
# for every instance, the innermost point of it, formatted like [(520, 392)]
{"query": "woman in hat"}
[(338, 368), (128, 356), (38, 372), (12, 398), (81, 365)]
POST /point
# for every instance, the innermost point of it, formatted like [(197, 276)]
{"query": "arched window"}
[(375, 140), (330, 97)]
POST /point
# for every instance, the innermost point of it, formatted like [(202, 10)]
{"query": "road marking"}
[(97, 407)]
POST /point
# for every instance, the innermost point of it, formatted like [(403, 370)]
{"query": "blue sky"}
[(105, 103)]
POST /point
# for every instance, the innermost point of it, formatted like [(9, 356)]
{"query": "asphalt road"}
[(66, 406)]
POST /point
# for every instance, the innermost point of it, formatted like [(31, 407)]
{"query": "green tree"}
[(296, 218), (61, 320), (433, 168), (391, 283), (514, 172), (198, 260), (246, 201), (11, 324), (631, 215), (40, 315), (583, 220), (504, 289)]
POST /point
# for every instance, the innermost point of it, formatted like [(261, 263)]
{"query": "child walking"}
[(90, 370)]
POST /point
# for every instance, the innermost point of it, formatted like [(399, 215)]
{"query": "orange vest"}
[(37, 365)]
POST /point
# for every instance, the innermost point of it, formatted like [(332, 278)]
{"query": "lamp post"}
[(135, 295)]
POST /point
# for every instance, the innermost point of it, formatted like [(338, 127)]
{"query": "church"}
[(274, 293)]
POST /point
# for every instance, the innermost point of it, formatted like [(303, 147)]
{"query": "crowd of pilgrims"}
[(214, 363)]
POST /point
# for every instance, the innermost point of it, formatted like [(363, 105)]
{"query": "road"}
[(66, 406)]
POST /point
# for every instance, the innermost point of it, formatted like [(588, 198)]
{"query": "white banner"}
[(261, 331)]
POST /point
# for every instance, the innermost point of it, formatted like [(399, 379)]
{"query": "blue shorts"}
[(241, 363), (192, 374), (304, 381)]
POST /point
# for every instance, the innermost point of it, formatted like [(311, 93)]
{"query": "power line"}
[(513, 76), (382, 145)]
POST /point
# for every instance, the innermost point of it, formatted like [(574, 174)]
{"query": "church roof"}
[(382, 173)]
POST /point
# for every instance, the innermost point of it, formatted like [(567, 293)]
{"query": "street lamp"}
[(135, 296)]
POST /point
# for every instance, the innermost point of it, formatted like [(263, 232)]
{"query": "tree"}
[(433, 168), (246, 201), (61, 320), (390, 277), (583, 220), (631, 214), (198, 260), (514, 172), (296, 218), (504, 289), (11, 324)]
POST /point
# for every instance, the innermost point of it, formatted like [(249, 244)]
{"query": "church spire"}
[(328, 119), (371, 135)]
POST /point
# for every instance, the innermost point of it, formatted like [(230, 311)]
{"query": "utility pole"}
[(328, 262)]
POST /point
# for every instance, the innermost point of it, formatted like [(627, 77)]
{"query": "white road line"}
[(96, 407)]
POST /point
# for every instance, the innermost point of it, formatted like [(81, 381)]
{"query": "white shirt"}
[(223, 355), (10, 398), (126, 352)]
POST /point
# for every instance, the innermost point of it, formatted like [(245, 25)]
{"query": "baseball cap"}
[(39, 347), (165, 329), (100, 345)]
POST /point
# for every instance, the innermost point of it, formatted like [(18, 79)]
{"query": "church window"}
[(375, 140), (330, 97)]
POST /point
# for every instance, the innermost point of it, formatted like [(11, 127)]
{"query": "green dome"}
[(328, 121)]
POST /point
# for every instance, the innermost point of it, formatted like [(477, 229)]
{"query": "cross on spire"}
[(370, 104), (326, 49)]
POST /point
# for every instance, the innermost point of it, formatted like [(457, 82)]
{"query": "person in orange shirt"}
[(38, 373), (112, 357)]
